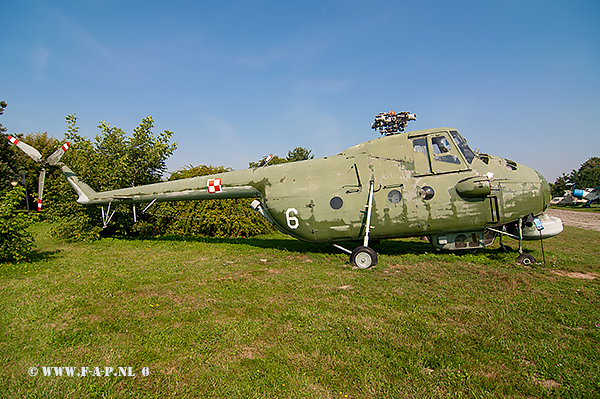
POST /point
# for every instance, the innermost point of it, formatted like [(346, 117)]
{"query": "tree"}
[(274, 161), (8, 159), (112, 160), (15, 241), (297, 154), (587, 176)]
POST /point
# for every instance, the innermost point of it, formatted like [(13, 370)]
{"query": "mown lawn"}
[(272, 317)]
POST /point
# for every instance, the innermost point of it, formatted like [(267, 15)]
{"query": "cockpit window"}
[(448, 158), (441, 149), (463, 146), (440, 145), (420, 145)]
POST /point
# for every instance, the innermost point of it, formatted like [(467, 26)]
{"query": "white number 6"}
[(290, 217)]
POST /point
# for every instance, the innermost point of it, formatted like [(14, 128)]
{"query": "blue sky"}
[(237, 80)]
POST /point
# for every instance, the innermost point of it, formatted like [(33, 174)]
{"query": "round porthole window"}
[(394, 196), (336, 203), (427, 192)]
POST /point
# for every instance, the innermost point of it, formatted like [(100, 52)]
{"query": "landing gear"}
[(363, 257), (526, 259), (523, 258)]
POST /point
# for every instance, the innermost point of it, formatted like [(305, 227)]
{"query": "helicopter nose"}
[(545, 190)]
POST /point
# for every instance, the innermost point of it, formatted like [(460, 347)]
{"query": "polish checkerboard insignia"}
[(214, 186)]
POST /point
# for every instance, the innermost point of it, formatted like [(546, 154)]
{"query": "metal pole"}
[(25, 185), (520, 236), (369, 207)]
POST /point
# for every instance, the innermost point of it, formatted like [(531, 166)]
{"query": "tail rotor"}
[(37, 157)]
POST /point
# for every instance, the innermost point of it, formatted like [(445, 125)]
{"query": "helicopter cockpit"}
[(440, 151), (435, 150)]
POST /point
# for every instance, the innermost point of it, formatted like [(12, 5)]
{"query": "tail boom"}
[(196, 188)]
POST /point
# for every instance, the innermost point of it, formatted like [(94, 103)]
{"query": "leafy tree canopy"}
[(297, 154), (200, 170), (15, 241), (8, 160), (110, 161), (587, 176)]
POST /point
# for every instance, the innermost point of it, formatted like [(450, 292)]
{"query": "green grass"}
[(273, 317), (579, 208)]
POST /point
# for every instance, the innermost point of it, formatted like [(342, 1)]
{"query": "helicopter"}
[(425, 183)]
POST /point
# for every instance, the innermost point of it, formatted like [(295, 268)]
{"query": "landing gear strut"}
[(364, 256), (523, 258)]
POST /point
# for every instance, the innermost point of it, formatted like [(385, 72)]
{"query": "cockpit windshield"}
[(463, 146)]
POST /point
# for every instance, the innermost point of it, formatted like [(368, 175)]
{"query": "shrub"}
[(15, 241)]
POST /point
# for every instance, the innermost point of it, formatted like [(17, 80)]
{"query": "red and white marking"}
[(66, 146), (39, 205), (214, 186), (13, 140)]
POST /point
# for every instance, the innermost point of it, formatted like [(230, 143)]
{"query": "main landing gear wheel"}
[(526, 259), (363, 257)]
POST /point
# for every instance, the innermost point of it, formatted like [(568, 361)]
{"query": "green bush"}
[(112, 160), (15, 241)]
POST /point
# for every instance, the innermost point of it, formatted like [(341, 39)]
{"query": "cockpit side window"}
[(438, 152), (420, 145), (441, 149), (440, 145), (463, 146)]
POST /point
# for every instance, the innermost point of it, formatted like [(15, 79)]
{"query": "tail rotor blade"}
[(55, 157), (27, 149), (41, 188)]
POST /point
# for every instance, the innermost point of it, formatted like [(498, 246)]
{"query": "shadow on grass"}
[(413, 246), (35, 257), (40, 256)]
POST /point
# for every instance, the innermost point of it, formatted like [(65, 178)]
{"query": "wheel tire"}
[(526, 259), (363, 257)]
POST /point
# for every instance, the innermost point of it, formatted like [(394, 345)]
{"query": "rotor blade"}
[(27, 149), (41, 188), (55, 157)]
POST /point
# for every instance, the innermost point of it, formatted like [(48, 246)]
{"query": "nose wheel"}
[(526, 259)]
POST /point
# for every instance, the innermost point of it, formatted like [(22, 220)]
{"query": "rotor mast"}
[(390, 123)]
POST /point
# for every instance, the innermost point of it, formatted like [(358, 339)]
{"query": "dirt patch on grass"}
[(583, 276), (583, 220), (549, 384)]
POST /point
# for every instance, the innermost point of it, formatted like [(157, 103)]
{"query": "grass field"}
[(271, 317), (579, 208)]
